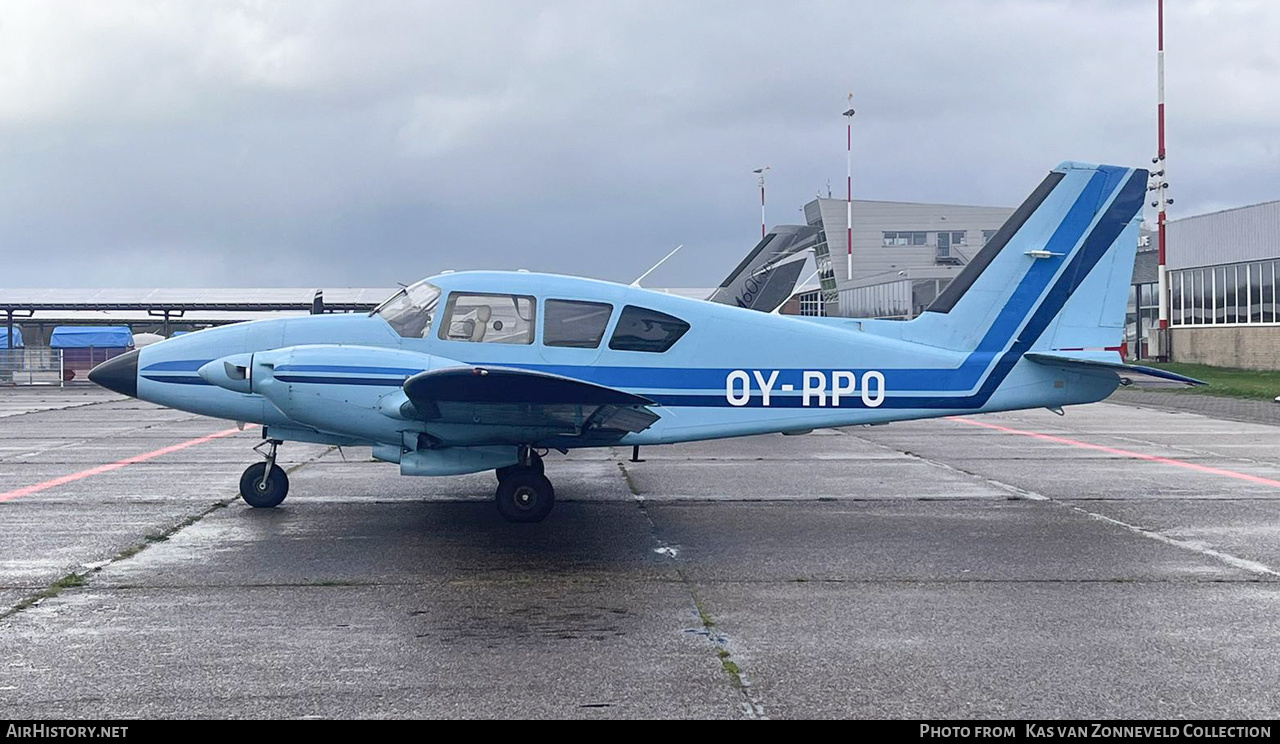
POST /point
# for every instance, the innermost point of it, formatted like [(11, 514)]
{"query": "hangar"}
[(1223, 273)]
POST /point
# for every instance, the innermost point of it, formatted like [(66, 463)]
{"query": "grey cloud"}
[(325, 143)]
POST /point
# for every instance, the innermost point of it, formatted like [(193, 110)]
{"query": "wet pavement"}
[(1120, 561)]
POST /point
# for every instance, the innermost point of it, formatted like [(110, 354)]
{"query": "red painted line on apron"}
[(1121, 452), (99, 470)]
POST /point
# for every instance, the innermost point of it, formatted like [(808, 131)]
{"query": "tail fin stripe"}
[(1033, 284), (1106, 229), (972, 270)]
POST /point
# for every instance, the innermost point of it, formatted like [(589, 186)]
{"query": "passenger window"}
[(641, 329), (489, 318), (578, 325)]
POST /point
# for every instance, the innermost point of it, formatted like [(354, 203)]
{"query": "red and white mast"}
[(760, 172), (848, 207), (1160, 183)]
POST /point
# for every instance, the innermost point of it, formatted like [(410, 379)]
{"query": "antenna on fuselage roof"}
[(636, 283)]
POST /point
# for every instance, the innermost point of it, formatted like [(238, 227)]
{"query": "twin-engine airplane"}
[(473, 371)]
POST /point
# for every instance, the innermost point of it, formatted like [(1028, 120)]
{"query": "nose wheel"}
[(264, 484)]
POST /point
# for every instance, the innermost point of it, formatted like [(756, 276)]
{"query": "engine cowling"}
[(229, 372), (353, 391)]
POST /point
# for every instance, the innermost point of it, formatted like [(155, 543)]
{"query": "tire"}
[(525, 496), (535, 464), (277, 486)]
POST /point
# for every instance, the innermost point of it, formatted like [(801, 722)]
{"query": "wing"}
[(1130, 374), (501, 405)]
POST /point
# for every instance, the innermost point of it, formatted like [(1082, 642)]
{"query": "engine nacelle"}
[(457, 460), (230, 372), (353, 391)]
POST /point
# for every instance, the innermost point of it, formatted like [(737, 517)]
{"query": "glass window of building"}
[(811, 304), (1203, 297), (1220, 294), (1255, 292), (1242, 293), (1270, 282), (1231, 294), (1175, 299), (906, 238), (923, 293)]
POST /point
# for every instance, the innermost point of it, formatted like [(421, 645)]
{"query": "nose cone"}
[(118, 373)]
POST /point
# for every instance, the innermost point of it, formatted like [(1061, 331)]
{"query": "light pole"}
[(760, 172), (848, 209)]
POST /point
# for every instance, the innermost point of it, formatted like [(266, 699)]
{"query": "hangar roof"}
[(278, 298)]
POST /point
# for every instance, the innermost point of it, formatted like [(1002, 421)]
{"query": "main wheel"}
[(525, 496), (535, 465), (263, 494)]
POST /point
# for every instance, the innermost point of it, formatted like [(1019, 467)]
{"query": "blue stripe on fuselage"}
[(341, 369), (319, 380)]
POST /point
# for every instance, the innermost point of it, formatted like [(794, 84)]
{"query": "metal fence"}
[(76, 363), (32, 367)]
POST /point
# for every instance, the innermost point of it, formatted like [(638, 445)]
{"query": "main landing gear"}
[(264, 484), (524, 493)]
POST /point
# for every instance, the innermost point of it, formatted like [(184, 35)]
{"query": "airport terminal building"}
[(904, 253)]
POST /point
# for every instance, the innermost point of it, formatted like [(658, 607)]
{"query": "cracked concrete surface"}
[(921, 569)]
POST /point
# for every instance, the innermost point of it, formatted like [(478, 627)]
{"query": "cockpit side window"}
[(575, 324), (489, 318), (642, 329), (409, 311)]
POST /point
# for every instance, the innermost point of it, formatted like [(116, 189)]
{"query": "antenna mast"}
[(848, 115)]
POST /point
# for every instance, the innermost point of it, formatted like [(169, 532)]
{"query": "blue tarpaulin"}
[(85, 337), (4, 337)]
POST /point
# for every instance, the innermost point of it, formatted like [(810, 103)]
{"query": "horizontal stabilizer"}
[(1130, 374)]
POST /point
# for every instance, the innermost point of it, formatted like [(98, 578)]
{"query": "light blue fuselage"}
[(1018, 328), (695, 383)]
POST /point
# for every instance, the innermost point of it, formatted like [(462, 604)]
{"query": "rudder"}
[(1056, 275)]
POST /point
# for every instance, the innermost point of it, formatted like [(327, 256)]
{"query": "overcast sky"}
[(363, 143)]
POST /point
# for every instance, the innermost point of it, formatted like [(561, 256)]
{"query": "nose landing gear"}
[(524, 494), (264, 484)]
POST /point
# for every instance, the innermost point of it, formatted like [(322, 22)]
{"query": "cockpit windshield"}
[(409, 311)]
